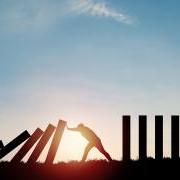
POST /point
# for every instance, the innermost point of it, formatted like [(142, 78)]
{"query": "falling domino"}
[(41, 144), (14, 143), (55, 142), (27, 146)]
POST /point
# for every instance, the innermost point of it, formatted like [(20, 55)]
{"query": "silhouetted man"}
[(94, 141)]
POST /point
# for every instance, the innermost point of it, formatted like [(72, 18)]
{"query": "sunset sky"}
[(88, 61)]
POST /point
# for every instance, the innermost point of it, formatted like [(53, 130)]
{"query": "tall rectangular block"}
[(175, 137), (159, 137), (27, 146), (126, 138), (142, 137), (14, 143), (55, 142), (1, 145), (41, 144)]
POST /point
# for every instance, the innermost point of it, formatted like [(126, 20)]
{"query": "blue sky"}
[(88, 61)]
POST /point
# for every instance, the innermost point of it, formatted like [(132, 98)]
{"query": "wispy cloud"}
[(99, 8), (24, 14)]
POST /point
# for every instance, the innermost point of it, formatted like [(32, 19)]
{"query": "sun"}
[(71, 147)]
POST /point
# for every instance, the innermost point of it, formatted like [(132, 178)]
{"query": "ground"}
[(92, 170)]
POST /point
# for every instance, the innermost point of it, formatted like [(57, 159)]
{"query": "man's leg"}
[(100, 147), (86, 151)]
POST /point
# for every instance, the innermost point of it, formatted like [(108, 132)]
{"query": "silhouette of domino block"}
[(41, 144), (1, 145), (14, 143), (158, 137), (27, 146), (175, 137), (55, 142), (126, 138), (142, 137)]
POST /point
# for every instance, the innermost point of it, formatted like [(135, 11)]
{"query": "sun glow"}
[(71, 146)]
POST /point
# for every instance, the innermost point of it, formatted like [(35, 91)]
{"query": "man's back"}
[(89, 134)]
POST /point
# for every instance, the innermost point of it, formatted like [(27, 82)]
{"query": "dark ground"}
[(93, 170)]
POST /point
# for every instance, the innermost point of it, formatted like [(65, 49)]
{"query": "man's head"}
[(80, 125)]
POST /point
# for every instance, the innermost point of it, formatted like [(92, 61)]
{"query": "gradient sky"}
[(88, 61)]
